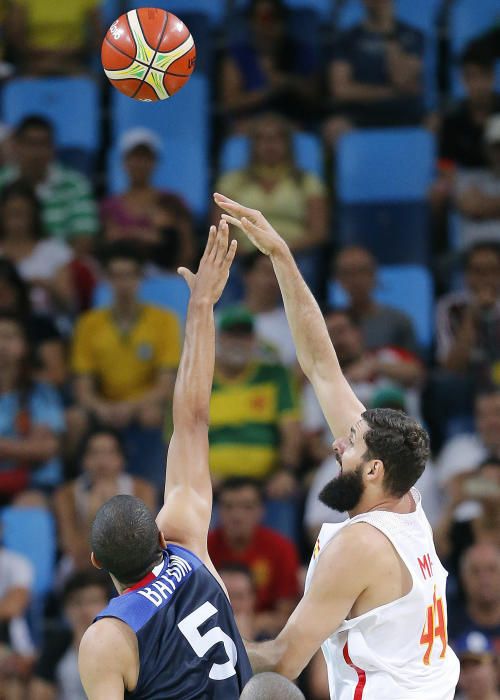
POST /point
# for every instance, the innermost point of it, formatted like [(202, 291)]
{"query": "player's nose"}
[(339, 447)]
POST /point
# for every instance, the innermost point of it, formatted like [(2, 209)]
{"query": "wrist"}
[(281, 251)]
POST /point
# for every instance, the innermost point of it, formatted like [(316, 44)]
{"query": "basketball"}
[(148, 54)]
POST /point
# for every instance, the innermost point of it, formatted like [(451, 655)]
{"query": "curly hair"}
[(400, 443)]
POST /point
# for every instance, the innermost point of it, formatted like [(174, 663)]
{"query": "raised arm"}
[(185, 516), (315, 351)]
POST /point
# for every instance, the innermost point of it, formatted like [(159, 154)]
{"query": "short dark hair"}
[(34, 121), (235, 567), (125, 539), (402, 445), (480, 247), (237, 483), (23, 190), (478, 53), (341, 311), (84, 579), (121, 250)]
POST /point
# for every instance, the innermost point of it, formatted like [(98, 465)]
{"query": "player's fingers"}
[(223, 236), (235, 208), (210, 242), (231, 220), (249, 226), (187, 275), (228, 261)]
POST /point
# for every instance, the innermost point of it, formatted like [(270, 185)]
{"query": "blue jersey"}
[(189, 645)]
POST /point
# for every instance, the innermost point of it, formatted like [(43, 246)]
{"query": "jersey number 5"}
[(435, 626), (201, 643)]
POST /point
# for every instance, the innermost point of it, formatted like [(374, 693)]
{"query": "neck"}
[(383, 21), (362, 306), (403, 505), (484, 612), (126, 308), (8, 378), (34, 175), (230, 371), (255, 302), (140, 187), (238, 543)]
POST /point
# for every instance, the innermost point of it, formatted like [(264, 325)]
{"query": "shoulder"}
[(393, 314), (159, 318), (232, 179), (272, 372), (108, 640), (44, 392), (312, 183), (94, 317)]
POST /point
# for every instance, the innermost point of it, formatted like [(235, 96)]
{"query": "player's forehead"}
[(358, 429)]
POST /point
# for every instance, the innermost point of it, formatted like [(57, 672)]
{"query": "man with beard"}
[(375, 591)]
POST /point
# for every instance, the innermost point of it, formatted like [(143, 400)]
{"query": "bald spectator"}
[(480, 577), (270, 686), (356, 271)]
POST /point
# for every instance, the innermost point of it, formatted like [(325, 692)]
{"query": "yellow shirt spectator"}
[(285, 205), (57, 25), (126, 365)]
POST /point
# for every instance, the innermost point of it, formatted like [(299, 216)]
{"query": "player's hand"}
[(252, 223), (281, 485), (213, 270)]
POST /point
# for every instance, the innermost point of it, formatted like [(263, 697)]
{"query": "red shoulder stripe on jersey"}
[(149, 577), (358, 691)]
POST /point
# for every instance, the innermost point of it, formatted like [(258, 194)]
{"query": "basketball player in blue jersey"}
[(171, 633)]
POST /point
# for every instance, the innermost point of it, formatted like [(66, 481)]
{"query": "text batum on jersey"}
[(164, 586)]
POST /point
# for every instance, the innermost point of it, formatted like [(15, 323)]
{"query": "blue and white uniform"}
[(189, 645)]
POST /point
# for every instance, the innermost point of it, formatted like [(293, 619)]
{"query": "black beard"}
[(344, 492)]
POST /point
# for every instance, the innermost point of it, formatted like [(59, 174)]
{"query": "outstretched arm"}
[(185, 516), (315, 351)]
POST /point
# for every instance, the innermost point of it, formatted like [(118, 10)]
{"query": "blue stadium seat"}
[(71, 104), (235, 153), (182, 125), (383, 177), (467, 22), (31, 532), (409, 288), (168, 291), (377, 165)]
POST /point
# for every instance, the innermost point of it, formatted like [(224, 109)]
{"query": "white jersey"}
[(398, 651)]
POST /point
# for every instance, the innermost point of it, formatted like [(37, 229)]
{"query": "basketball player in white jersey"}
[(375, 596)]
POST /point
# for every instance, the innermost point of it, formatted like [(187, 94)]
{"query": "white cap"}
[(140, 137), (492, 129)]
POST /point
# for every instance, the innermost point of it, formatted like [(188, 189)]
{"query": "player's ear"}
[(94, 561), (161, 539), (375, 469)]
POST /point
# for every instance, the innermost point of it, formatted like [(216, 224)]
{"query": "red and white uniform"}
[(398, 651)]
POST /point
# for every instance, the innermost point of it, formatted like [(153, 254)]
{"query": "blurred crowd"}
[(92, 312)]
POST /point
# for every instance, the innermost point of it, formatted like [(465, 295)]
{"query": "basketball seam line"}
[(146, 65), (155, 53)]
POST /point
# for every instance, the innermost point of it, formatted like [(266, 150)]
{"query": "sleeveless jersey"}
[(189, 645), (398, 651)]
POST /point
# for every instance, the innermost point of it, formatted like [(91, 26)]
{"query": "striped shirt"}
[(68, 206), (246, 414)]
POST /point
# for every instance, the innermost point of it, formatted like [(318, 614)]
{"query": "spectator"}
[(263, 299), (478, 672), (461, 135), (68, 208), (241, 538), (294, 200), (77, 502), (32, 419), (468, 322), (56, 672), (477, 193), (480, 576), (143, 212), (43, 262), (375, 73), (266, 68), (254, 427), (16, 648), (44, 338), (124, 358), (240, 586), (50, 41), (465, 451), (452, 537), (382, 326)]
